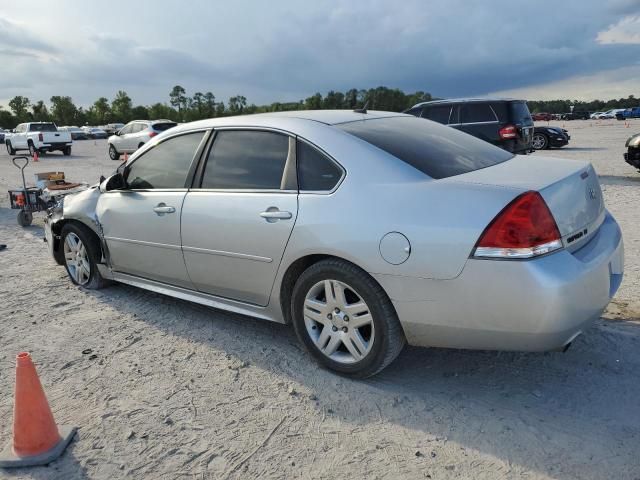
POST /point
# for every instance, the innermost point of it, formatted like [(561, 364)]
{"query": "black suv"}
[(505, 123)]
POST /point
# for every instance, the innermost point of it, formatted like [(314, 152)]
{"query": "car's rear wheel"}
[(32, 149), (113, 153), (81, 256), (540, 141), (66, 151), (10, 149), (345, 319)]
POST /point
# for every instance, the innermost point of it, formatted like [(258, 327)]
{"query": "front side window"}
[(166, 165), (246, 159), (438, 113), (316, 171), (126, 129), (476, 113)]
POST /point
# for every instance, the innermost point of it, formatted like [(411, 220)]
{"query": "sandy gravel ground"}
[(175, 390)]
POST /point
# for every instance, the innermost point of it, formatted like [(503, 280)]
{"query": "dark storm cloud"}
[(287, 50)]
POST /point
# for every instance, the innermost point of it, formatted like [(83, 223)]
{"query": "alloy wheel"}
[(77, 259), (538, 142), (338, 321)]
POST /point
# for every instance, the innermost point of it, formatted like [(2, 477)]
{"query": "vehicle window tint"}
[(476, 112), (435, 150), (437, 113), (161, 127), (138, 127), (166, 165), (316, 171), (416, 112), (246, 160), (501, 110), (521, 114), (42, 127), (125, 130)]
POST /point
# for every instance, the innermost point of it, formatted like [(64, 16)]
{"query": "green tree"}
[(210, 105), (40, 112), (121, 107), (101, 111), (178, 99), (314, 102), (63, 110), (19, 105), (161, 110), (237, 104), (140, 112)]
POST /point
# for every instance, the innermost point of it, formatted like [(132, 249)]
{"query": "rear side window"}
[(520, 113), (316, 171), (435, 150), (42, 127), (248, 159), (476, 112), (161, 127), (166, 165), (438, 113)]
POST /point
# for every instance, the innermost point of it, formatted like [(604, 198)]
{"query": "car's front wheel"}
[(113, 153), (540, 141), (345, 319), (10, 149), (81, 257)]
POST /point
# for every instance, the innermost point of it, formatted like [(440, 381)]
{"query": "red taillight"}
[(40, 137), (525, 228), (508, 131), (152, 134)]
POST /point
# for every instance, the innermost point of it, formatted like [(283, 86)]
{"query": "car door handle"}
[(161, 209), (276, 215)]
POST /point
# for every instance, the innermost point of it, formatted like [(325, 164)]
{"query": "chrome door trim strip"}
[(222, 253), (143, 243), (196, 297)]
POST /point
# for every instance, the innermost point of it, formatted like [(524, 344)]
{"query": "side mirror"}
[(114, 182)]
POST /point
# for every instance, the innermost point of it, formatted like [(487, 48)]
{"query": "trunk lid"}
[(570, 188)]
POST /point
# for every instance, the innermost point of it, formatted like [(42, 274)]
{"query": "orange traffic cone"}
[(35, 157), (36, 438)]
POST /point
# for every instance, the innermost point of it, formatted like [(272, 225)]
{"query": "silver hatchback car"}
[(135, 134), (363, 230)]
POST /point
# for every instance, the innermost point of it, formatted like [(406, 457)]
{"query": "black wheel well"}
[(291, 276), (57, 227)]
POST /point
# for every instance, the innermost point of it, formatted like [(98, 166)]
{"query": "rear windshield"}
[(520, 112), (434, 149), (42, 127), (161, 127)]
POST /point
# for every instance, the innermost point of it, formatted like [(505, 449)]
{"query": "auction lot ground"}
[(177, 390)]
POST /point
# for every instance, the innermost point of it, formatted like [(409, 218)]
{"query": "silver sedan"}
[(363, 230)]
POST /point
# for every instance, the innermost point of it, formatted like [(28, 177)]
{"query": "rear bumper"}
[(54, 146), (535, 305)]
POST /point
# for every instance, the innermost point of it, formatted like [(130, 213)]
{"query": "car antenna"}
[(363, 109)]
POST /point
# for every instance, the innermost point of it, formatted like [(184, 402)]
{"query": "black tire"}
[(32, 149), (25, 218), (66, 151), (10, 149), (140, 146), (113, 153), (389, 338), (89, 240), (543, 142)]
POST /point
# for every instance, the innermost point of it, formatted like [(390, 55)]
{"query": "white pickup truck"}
[(38, 137)]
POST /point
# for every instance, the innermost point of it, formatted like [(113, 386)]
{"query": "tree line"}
[(184, 108)]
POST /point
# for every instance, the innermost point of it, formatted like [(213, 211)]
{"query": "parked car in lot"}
[(362, 230), (549, 137), (95, 133), (505, 123), (632, 155), (595, 115), (76, 132), (542, 117), (111, 128), (576, 115), (38, 137), (628, 113), (2, 132), (609, 114), (135, 134)]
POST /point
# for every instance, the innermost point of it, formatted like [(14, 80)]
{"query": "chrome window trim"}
[(241, 190)]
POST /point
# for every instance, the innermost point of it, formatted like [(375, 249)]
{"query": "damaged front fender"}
[(79, 208)]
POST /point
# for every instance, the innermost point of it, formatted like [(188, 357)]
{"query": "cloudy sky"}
[(287, 50)]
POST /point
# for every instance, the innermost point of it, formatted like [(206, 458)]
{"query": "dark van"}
[(505, 123)]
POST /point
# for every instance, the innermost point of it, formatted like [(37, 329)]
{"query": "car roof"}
[(468, 100)]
